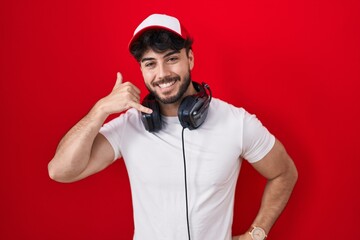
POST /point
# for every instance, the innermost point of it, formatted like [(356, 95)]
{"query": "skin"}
[(157, 68), (281, 174), (83, 151)]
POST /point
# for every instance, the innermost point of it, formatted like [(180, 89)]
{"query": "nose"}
[(164, 71)]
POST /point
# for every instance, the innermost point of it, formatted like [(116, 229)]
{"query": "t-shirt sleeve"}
[(112, 132), (257, 140)]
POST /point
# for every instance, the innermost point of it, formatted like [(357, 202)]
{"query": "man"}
[(183, 150)]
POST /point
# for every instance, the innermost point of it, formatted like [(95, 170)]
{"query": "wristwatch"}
[(257, 233)]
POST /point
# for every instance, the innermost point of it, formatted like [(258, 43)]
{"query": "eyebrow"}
[(166, 55)]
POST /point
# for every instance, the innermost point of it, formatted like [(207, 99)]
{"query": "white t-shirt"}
[(213, 152)]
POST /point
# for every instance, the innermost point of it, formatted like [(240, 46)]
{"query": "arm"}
[(281, 174), (83, 151)]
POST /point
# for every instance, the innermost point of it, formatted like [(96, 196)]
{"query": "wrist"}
[(257, 233), (99, 111)]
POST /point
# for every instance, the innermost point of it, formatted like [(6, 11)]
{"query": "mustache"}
[(166, 80)]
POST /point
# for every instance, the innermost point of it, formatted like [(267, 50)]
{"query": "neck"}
[(169, 110)]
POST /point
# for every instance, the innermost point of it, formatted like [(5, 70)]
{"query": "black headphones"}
[(192, 111)]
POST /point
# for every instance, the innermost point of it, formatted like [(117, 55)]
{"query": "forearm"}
[(74, 150), (81, 153), (275, 197)]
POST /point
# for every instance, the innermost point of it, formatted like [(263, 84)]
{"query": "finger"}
[(134, 97), (130, 92), (133, 87), (119, 79), (141, 108), (136, 89)]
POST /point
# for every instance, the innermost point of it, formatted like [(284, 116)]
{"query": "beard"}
[(178, 96)]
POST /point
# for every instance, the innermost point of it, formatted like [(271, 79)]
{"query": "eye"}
[(149, 64), (173, 59)]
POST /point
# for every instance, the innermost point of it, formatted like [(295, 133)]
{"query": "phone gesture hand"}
[(123, 96)]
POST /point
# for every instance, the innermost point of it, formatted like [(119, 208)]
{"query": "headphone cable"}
[(186, 191)]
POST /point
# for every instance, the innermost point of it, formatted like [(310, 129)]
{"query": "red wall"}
[(295, 64)]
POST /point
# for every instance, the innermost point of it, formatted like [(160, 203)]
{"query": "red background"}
[(295, 64)]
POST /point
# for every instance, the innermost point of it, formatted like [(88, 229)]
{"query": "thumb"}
[(118, 79)]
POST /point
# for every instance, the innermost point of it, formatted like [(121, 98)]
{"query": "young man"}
[(183, 152)]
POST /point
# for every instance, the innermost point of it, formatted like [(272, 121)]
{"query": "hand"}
[(122, 97), (245, 236)]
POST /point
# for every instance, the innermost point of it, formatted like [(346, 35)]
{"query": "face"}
[(167, 75)]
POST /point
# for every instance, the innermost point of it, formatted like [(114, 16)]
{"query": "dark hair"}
[(159, 41)]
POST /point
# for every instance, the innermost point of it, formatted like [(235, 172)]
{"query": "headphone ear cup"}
[(193, 109), (184, 112), (152, 121)]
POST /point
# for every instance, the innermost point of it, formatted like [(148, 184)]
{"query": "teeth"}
[(165, 85)]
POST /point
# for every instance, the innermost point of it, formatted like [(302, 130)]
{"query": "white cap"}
[(160, 21)]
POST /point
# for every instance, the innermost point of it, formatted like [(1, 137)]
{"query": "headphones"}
[(192, 111)]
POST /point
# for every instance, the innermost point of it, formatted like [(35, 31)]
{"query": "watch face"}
[(258, 234)]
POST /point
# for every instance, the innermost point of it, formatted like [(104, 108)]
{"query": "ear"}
[(191, 59)]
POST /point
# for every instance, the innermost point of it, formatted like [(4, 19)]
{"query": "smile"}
[(166, 84)]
